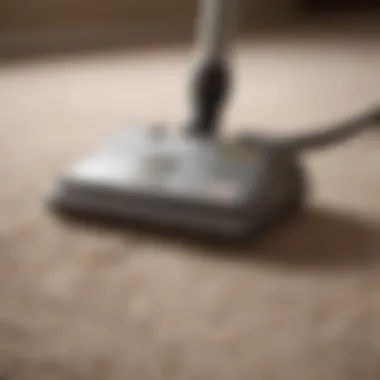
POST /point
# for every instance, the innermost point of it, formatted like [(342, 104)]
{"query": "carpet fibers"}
[(80, 303)]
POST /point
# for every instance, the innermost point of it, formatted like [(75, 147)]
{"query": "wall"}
[(40, 15)]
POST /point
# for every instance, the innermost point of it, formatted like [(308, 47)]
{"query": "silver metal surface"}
[(210, 186), (215, 25)]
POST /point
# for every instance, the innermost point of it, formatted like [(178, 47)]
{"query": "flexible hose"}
[(324, 136)]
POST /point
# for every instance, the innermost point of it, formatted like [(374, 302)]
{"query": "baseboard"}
[(13, 44), (137, 35)]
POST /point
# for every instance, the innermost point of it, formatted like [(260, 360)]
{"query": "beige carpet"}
[(80, 304)]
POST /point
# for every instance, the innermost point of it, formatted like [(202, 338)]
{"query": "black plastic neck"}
[(211, 87)]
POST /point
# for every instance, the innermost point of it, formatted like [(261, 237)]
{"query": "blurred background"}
[(82, 304), (44, 24)]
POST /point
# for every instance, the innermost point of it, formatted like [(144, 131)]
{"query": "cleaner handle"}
[(214, 28), (211, 80)]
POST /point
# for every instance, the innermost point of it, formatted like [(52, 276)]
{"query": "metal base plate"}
[(214, 187)]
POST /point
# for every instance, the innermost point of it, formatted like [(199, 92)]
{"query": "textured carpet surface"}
[(81, 304)]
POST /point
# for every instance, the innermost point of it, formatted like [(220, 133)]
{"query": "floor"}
[(303, 304)]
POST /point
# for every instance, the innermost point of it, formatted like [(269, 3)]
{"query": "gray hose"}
[(324, 135)]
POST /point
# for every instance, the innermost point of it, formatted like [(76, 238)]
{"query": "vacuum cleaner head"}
[(194, 181), (225, 189)]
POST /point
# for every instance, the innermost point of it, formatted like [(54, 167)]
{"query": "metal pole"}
[(216, 21), (211, 81)]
